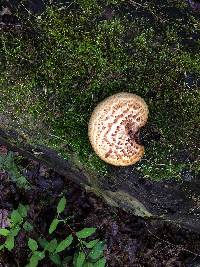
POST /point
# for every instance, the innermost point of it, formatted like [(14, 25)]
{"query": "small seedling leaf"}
[(100, 263), (32, 244), (4, 232), (97, 251), (43, 242), (10, 242), (53, 225), (35, 258), (14, 231), (80, 259), (64, 244), (85, 232), (56, 259), (75, 258), (22, 210), (52, 245), (61, 205), (40, 255), (92, 243), (33, 261), (16, 218)]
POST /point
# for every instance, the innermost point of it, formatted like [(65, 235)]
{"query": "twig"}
[(75, 235)]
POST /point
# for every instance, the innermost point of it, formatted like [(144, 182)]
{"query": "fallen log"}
[(124, 187), (58, 65)]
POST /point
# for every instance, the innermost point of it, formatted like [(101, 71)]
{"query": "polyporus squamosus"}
[(114, 128)]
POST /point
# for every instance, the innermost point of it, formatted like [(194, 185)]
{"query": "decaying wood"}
[(168, 200)]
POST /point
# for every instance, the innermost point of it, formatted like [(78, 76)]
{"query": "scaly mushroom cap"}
[(114, 128)]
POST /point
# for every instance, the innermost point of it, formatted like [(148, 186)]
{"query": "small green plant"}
[(7, 163), (87, 253), (17, 221)]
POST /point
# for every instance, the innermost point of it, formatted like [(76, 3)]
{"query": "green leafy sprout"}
[(8, 164), (88, 253), (17, 222)]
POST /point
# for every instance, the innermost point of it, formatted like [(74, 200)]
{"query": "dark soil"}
[(130, 241)]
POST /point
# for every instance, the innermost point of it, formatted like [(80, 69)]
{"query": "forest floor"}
[(130, 241), (173, 51)]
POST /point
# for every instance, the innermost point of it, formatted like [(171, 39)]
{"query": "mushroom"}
[(114, 128)]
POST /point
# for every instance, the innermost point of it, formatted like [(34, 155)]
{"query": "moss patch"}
[(57, 66)]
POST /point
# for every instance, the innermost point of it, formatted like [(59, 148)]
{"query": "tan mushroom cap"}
[(114, 128)]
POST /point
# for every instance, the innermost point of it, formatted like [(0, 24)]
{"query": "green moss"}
[(58, 66)]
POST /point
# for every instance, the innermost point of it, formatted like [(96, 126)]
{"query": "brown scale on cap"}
[(114, 128)]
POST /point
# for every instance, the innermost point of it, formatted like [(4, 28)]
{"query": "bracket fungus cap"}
[(114, 128)]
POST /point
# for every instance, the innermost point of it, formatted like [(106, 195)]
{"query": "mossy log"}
[(57, 66), (169, 200)]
